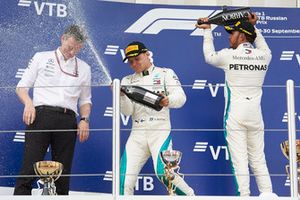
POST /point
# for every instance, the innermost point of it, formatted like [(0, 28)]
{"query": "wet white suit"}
[(150, 128), (243, 122)]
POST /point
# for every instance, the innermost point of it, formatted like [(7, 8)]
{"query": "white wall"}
[(253, 3)]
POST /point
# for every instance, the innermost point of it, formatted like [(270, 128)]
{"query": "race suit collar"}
[(147, 71)]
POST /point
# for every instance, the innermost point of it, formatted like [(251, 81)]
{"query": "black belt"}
[(56, 109)]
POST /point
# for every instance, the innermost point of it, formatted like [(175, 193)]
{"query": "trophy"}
[(49, 172), (171, 158), (285, 150)]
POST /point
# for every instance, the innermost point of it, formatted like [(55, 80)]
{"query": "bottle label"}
[(150, 98), (235, 15)]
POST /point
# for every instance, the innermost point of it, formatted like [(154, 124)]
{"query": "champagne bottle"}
[(228, 17), (143, 96)]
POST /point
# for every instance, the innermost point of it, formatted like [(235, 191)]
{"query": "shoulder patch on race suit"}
[(165, 70), (174, 76), (128, 77), (248, 45), (134, 79)]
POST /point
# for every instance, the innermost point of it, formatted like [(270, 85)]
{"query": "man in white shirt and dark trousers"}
[(245, 67), (60, 82)]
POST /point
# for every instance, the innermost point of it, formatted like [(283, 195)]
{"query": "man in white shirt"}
[(150, 133), (60, 82), (245, 68)]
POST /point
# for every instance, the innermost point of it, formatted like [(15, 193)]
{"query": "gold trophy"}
[(285, 150), (49, 172), (171, 158)]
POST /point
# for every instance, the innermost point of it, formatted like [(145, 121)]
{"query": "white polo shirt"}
[(58, 82)]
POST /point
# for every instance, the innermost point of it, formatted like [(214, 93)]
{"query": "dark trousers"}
[(36, 144)]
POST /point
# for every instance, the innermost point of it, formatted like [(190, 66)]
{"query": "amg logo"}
[(237, 15), (247, 67), (288, 55)]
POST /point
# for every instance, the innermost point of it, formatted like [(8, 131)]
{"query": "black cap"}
[(243, 27), (134, 49)]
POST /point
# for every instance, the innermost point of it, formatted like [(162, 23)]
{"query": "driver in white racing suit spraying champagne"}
[(150, 133), (245, 68)]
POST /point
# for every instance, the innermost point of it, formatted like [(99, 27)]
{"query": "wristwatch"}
[(86, 119)]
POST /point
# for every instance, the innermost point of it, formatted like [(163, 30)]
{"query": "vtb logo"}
[(289, 55), (20, 73), (201, 85), (50, 9), (109, 113), (216, 152), (287, 182), (159, 19), (285, 117), (113, 50), (145, 183), (19, 137)]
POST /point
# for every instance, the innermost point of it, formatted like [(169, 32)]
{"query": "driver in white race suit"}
[(150, 133), (245, 68)]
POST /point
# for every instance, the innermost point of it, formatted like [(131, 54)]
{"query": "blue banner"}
[(169, 33)]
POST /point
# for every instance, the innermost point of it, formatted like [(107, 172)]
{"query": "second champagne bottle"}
[(228, 17)]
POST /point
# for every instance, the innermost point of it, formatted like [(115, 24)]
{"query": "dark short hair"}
[(76, 32)]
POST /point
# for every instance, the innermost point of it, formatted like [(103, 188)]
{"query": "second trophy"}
[(286, 152), (171, 158)]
